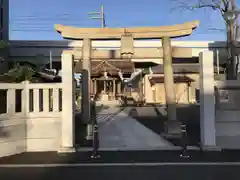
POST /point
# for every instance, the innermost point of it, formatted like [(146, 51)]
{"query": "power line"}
[(43, 19), (31, 30), (44, 23)]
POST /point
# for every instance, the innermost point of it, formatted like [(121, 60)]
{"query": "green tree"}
[(19, 73)]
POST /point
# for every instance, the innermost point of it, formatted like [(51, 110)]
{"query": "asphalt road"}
[(122, 157), (132, 165), (159, 172)]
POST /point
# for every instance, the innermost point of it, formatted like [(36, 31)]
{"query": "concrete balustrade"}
[(32, 124)]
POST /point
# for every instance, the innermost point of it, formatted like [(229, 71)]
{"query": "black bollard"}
[(95, 142), (184, 141), (95, 153)]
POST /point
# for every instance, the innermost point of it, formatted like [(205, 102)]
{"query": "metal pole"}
[(102, 16), (50, 59), (99, 15)]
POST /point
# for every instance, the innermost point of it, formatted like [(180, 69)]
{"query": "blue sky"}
[(34, 20)]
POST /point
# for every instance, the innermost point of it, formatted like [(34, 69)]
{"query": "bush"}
[(19, 73)]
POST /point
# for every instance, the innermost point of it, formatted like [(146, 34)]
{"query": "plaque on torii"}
[(127, 45), (127, 37)]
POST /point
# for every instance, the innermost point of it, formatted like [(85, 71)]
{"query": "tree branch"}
[(201, 4)]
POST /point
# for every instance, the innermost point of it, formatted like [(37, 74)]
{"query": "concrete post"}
[(86, 84), (193, 92), (105, 87), (207, 105), (68, 107), (147, 90), (95, 87), (119, 87)]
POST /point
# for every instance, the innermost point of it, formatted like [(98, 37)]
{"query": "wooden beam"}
[(173, 31)]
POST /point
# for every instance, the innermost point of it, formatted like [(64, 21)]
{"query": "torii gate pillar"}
[(86, 85), (172, 126)]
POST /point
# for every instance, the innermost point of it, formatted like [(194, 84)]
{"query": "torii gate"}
[(127, 37)]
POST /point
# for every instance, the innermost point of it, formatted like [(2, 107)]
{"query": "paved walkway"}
[(107, 114), (121, 132)]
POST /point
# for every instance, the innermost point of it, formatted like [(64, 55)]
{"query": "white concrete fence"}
[(219, 118), (227, 114), (32, 117), (41, 118)]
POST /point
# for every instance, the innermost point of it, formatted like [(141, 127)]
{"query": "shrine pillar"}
[(114, 89), (168, 79), (86, 84)]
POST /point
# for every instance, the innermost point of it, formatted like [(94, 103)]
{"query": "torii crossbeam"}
[(173, 31)]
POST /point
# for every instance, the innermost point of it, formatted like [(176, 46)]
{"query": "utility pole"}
[(50, 59), (98, 15)]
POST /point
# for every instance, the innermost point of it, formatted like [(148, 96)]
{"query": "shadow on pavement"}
[(81, 129), (153, 117)]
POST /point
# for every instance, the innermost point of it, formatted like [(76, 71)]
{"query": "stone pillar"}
[(68, 106), (193, 92), (92, 86), (86, 84), (104, 87), (119, 87), (95, 86), (148, 90), (189, 100), (207, 106), (114, 89), (168, 79)]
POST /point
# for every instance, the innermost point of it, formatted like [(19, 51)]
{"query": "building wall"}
[(36, 51), (4, 34), (4, 20), (155, 93)]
